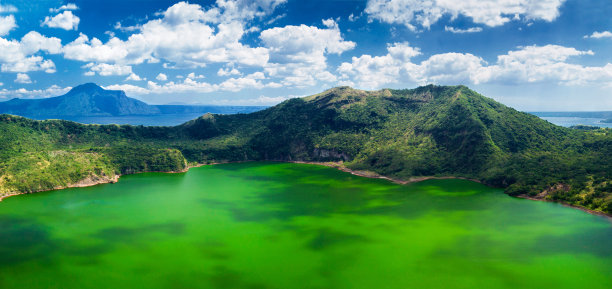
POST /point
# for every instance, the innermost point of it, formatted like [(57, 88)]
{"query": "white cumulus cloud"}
[(261, 100), (253, 80), (298, 53), (461, 31), (69, 6), (597, 35), (133, 77), (65, 20), (187, 35), (417, 13), (105, 69), (195, 76), (23, 78), (51, 91), (161, 77), (128, 88), (188, 85), (374, 71), (228, 72), (21, 55), (530, 64), (7, 23)]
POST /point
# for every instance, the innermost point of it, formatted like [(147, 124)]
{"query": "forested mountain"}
[(84, 100), (427, 131), (91, 100)]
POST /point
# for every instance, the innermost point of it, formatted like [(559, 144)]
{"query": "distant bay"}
[(170, 115), (572, 118), (572, 121), (169, 118)]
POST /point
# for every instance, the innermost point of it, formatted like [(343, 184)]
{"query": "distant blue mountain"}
[(91, 100), (84, 100), (581, 114)]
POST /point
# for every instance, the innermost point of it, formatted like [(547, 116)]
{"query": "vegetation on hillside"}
[(427, 131)]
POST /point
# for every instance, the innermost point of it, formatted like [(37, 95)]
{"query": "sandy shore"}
[(10, 195), (373, 175)]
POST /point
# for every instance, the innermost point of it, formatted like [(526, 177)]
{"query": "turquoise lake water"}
[(277, 225)]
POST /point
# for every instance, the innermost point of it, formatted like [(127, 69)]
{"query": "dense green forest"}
[(427, 131)]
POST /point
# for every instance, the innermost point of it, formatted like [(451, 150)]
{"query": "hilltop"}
[(428, 131)]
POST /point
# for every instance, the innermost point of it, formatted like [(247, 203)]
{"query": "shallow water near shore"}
[(281, 225)]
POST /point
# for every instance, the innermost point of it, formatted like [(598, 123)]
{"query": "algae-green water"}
[(278, 225)]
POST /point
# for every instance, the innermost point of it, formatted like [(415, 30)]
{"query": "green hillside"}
[(427, 131)]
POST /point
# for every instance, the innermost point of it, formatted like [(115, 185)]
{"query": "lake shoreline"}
[(373, 175), (592, 212), (89, 182), (336, 165)]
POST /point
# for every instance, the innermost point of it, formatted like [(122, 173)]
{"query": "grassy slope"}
[(428, 131), (42, 155)]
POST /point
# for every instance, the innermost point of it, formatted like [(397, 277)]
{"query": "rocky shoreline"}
[(368, 174), (87, 182), (95, 180), (592, 212), (373, 175)]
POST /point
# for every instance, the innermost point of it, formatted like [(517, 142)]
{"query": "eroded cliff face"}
[(325, 154), (88, 181)]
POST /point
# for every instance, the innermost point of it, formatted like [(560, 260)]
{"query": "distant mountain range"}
[(88, 100), (581, 114)]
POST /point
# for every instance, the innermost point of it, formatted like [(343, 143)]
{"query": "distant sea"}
[(571, 121), (164, 119), (170, 118), (568, 119)]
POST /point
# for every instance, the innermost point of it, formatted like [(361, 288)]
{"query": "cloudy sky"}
[(534, 55)]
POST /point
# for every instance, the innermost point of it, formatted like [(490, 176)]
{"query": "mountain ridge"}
[(438, 131)]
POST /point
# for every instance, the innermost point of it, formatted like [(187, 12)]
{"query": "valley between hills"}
[(403, 135)]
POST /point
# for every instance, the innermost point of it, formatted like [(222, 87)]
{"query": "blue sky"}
[(534, 55)]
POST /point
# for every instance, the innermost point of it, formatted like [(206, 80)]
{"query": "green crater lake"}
[(279, 225)]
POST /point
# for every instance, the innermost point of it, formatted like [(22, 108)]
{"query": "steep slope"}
[(427, 131), (398, 129), (83, 100)]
